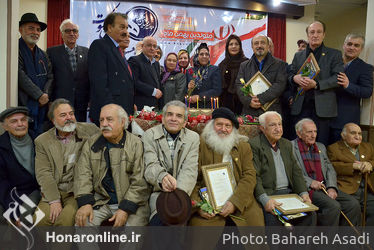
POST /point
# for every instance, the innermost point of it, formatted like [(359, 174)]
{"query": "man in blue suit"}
[(319, 99), (111, 78), (355, 83)]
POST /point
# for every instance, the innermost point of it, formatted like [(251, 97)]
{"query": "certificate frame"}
[(210, 183), (308, 208), (310, 67), (264, 83)]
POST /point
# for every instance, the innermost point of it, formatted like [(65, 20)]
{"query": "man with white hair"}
[(320, 176), (70, 70), (277, 169), (109, 180), (352, 160), (57, 152)]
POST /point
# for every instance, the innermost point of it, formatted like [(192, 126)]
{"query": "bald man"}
[(147, 74), (352, 160)]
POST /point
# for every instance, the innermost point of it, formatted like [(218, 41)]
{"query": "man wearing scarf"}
[(318, 100), (34, 71), (319, 175)]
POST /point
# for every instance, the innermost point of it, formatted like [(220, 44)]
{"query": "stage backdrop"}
[(174, 27)]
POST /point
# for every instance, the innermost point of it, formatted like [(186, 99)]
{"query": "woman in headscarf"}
[(173, 81), (204, 80), (229, 67), (183, 60)]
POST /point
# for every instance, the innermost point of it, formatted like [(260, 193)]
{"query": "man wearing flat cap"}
[(221, 142), (34, 71), (17, 157), (170, 155)]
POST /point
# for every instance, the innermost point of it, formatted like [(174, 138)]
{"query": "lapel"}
[(116, 53), (352, 67), (346, 153), (323, 59), (160, 137), (237, 168), (269, 156), (268, 63), (80, 58), (65, 58), (151, 68), (55, 149), (285, 157)]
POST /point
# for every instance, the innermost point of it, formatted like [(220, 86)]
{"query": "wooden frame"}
[(260, 84), (306, 207), (310, 67), (220, 183)]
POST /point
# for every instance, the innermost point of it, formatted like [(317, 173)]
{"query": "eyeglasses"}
[(75, 31)]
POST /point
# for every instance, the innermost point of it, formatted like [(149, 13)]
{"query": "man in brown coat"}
[(352, 160)]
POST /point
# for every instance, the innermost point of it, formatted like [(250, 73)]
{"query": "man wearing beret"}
[(34, 71), (221, 142), (17, 157), (57, 152), (277, 169), (170, 155)]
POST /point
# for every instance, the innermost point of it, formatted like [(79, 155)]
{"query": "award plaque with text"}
[(310, 67), (259, 84), (220, 183), (292, 204)]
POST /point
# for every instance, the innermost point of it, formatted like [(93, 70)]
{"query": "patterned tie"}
[(124, 59), (72, 59)]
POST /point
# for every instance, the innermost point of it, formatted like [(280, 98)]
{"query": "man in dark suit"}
[(147, 74), (70, 70), (111, 78), (318, 100), (355, 83)]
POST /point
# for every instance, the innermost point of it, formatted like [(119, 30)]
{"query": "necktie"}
[(124, 59)]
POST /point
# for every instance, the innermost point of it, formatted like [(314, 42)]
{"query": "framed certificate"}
[(259, 85), (292, 204), (310, 67), (220, 183)]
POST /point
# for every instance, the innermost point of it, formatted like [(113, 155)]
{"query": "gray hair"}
[(177, 104), (299, 124), (354, 36), (122, 114), (55, 105), (262, 118), (66, 21)]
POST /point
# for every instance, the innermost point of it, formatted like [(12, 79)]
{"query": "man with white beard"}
[(57, 152)]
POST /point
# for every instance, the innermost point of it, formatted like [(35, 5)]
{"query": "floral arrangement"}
[(247, 120), (246, 89)]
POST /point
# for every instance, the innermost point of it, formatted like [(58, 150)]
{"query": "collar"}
[(353, 151), (101, 143), (71, 50), (275, 148), (5, 139), (114, 41), (150, 61)]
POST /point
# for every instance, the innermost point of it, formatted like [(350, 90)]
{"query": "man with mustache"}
[(34, 71), (277, 170), (17, 168), (111, 77), (57, 152), (272, 68)]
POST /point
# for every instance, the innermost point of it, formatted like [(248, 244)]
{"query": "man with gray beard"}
[(57, 152)]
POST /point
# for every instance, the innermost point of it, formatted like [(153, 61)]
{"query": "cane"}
[(365, 200)]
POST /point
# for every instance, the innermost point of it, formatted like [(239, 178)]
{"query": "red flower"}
[(193, 203), (240, 120)]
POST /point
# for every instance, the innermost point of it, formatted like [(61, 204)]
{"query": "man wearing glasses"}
[(34, 71), (70, 70)]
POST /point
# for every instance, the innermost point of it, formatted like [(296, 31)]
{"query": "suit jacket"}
[(360, 75), (330, 63), (274, 70), (342, 159), (328, 171), (12, 173), (265, 166), (110, 79), (73, 86), (147, 79)]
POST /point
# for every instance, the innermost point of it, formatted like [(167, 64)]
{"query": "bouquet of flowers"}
[(193, 121), (247, 120), (246, 89)]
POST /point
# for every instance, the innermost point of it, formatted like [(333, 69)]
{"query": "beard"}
[(69, 126), (31, 39), (221, 145)]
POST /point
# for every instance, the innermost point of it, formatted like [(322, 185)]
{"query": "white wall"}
[(3, 53)]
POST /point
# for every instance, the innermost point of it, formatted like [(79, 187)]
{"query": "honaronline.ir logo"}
[(142, 22)]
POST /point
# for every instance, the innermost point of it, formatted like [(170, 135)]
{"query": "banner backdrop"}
[(174, 27)]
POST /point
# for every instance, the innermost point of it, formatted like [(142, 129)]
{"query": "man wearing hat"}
[(221, 142), (17, 157), (34, 71), (170, 155)]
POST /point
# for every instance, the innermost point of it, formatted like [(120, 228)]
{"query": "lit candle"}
[(185, 100), (211, 103), (217, 102), (197, 104), (204, 102)]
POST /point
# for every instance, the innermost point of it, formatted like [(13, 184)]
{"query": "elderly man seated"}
[(277, 170), (109, 181), (352, 160), (320, 178), (170, 155), (17, 169)]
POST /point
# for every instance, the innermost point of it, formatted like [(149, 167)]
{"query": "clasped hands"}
[(363, 166)]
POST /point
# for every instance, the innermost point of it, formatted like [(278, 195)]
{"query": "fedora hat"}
[(32, 18), (174, 208)]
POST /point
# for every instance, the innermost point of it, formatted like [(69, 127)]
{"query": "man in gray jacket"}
[(170, 155), (319, 175)]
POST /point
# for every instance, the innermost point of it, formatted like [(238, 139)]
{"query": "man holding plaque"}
[(314, 93), (320, 177), (273, 69), (277, 170), (221, 142), (170, 155)]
